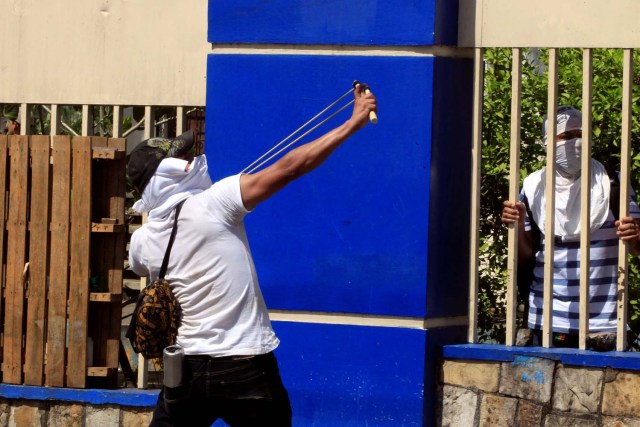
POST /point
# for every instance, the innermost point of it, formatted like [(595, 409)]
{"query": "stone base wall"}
[(33, 413), (532, 391)]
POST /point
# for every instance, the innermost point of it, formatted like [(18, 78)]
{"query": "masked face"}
[(569, 157)]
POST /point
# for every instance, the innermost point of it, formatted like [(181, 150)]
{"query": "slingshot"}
[(259, 162)]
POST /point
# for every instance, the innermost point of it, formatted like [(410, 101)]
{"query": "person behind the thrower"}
[(605, 230)]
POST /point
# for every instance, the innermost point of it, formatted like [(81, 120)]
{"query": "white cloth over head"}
[(171, 184)]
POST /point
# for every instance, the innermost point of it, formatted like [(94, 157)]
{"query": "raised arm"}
[(259, 186)]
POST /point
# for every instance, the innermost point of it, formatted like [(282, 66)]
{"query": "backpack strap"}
[(165, 261), (535, 231)]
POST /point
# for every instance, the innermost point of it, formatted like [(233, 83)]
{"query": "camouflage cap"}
[(143, 161)]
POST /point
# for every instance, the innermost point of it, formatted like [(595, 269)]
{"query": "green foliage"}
[(607, 119), (71, 119)]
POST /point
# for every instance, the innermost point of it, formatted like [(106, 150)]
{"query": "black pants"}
[(243, 391)]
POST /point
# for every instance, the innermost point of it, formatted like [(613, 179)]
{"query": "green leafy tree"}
[(607, 119)]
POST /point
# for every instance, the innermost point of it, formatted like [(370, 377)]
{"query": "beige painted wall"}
[(125, 52), (549, 23)]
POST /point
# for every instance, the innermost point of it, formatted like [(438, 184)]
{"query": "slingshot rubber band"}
[(251, 168), (294, 141)]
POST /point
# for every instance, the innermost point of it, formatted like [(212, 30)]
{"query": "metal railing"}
[(514, 190)]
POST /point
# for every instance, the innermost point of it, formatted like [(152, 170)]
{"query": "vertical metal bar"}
[(514, 190), (87, 120), (116, 130), (25, 119), (585, 196), (625, 161), (180, 120), (55, 120), (476, 158), (550, 199)]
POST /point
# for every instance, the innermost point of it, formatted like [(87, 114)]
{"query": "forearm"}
[(311, 155)]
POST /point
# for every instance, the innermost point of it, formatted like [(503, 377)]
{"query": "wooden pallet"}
[(64, 233)]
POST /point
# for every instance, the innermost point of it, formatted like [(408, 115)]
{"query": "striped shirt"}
[(603, 280)]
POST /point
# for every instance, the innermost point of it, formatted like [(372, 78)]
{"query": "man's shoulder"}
[(535, 175)]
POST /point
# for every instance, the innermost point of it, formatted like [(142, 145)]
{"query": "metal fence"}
[(514, 190)]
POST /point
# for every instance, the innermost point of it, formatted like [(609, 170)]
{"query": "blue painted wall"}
[(382, 227), (336, 22), (352, 235)]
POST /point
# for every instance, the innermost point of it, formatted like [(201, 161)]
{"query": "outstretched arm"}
[(259, 186)]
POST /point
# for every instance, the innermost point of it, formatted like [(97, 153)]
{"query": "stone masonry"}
[(533, 391), (24, 413)]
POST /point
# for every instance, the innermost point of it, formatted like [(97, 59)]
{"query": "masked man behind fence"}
[(605, 230), (230, 371)]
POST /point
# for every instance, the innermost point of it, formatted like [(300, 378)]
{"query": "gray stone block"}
[(578, 389), (459, 408), (529, 414), (100, 416), (558, 420), (528, 378), (497, 411)]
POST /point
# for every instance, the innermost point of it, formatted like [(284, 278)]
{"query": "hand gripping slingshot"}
[(261, 161)]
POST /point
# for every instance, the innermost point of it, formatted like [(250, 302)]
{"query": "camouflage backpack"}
[(156, 317)]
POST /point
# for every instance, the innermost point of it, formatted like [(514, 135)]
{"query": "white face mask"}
[(569, 157)]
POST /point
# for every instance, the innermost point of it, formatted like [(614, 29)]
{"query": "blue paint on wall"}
[(352, 235), (338, 22), (450, 188), (353, 375), (446, 22), (124, 397), (568, 356), (436, 340)]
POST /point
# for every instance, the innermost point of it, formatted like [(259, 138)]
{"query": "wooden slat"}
[(101, 371), (79, 272), (108, 153), (116, 189), (100, 253), (16, 257), (4, 144), (59, 264), (97, 227), (106, 297), (38, 250)]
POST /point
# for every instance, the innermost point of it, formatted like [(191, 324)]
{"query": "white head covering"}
[(171, 184), (568, 188), (567, 119)]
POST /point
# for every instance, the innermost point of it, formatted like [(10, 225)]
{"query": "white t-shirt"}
[(211, 273)]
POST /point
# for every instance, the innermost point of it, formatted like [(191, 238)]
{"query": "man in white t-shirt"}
[(230, 371)]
